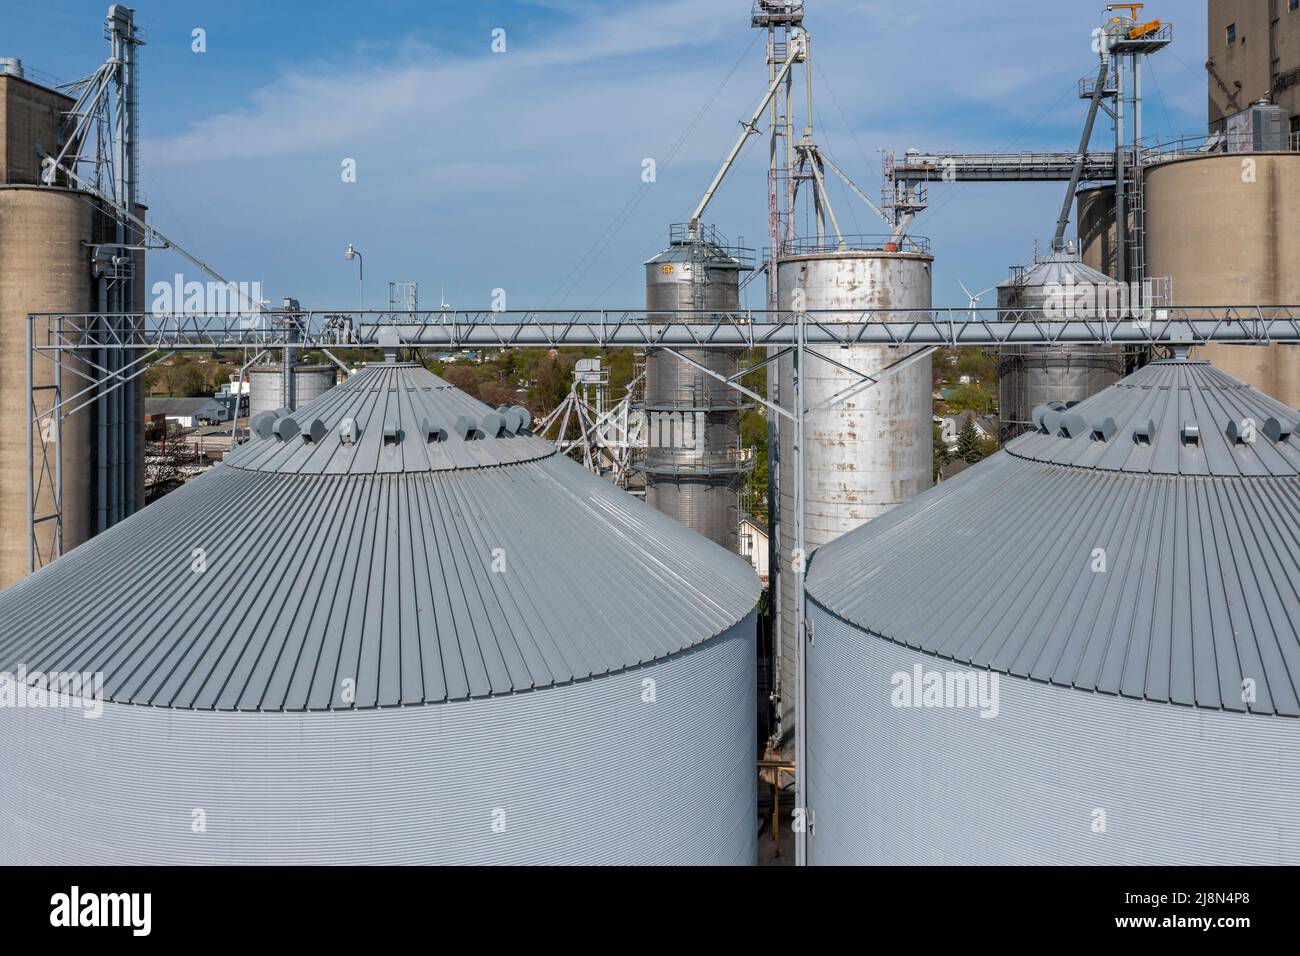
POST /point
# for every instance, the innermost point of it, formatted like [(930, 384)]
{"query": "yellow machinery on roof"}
[(1138, 31)]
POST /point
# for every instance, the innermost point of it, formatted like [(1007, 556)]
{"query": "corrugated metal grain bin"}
[(1085, 649), (1058, 286), (393, 627)]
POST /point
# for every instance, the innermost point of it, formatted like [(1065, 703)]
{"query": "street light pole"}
[(352, 252)]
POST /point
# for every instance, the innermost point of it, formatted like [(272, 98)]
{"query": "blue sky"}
[(522, 170)]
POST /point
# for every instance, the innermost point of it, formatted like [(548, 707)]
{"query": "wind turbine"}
[(974, 297)]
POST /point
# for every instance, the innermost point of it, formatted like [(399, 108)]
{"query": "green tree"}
[(753, 434), (969, 447), (941, 456), (969, 398)]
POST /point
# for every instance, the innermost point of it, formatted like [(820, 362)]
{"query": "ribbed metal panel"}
[(430, 430), (1166, 397), (867, 453), (420, 584), (381, 620), (586, 773), (892, 785), (1201, 588), (1155, 582), (692, 458), (310, 580), (708, 507)]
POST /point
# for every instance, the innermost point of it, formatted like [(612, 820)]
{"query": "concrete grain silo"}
[(44, 267), (1226, 230), (868, 452), (1085, 649), (393, 627), (1096, 217)]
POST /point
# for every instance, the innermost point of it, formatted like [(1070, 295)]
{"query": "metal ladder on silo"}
[(1135, 201)]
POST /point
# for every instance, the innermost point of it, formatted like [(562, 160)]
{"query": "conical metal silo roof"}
[(1057, 275), (1144, 542), (393, 531)]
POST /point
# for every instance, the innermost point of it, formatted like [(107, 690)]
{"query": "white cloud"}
[(477, 167)]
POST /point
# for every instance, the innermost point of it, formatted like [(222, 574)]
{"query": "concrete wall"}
[(1224, 240), (1247, 59), (1096, 221), (945, 786), (44, 267), (584, 773), (29, 117), (867, 453)]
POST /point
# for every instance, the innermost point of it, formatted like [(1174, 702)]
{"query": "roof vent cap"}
[(1278, 429), (392, 433), (1191, 433), (432, 431), (1073, 425), (1037, 417), (1145, 433), (1105, 429), (523, 418), (494, 425), (1241, 432), (348, 431), (315, 432), (468, 429), (286, 428), (263, 424)]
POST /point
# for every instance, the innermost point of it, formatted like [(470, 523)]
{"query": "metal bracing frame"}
[(661, 328), (606, 437)]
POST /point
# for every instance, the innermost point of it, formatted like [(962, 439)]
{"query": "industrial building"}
[(408, 615), (1254, 48), (70, 242), (44, 266), (1223, 232), (1113, 598), (411, 632)]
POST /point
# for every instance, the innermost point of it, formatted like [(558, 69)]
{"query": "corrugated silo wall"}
[(44, 267), (589, 772), (692, 419), (865, 454), (1029, 376), (1226, 230), (895, 785), (266, 386)]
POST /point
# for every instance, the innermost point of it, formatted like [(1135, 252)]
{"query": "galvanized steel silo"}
[(693, 463), (393, 627), (1056, 286), (1085, 649), (266, 386), (868, 452)]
